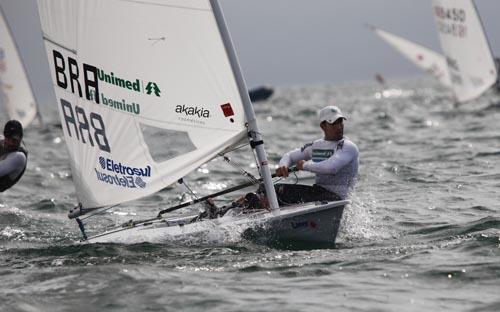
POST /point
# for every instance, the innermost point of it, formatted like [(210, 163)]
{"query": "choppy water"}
[(423, 231)]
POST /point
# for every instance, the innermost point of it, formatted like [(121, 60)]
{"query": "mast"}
[(256, 139), (38, 113), (481, 26)]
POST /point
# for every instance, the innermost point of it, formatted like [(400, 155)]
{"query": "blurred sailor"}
[(13, 157)]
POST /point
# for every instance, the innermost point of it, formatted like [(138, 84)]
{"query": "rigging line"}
[(181, 181), (276, 181), (232, 149), (156, 40), (256, 162), (296, 177), (241, 146), (98, 213), (241, 170), (223, 192)]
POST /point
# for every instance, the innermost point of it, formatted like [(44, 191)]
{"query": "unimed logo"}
[(69, 74)]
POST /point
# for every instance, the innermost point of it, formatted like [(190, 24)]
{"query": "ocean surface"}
[(422, 233)]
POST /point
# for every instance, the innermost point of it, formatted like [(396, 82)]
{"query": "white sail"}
[(424, 58), (136, 78), (470, 62), (16, 97)]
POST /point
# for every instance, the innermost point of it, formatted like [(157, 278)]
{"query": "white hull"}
[(299, 226)]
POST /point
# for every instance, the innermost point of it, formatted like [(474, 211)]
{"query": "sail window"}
[(165, 144)]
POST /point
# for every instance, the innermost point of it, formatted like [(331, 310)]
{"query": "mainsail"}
[(470, 62), (16, 97), (424, 58), (136, 78)]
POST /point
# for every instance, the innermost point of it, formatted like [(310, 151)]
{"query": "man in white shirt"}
[(334, 160)]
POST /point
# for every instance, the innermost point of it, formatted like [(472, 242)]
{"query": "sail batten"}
[(143, 100), (16, 96), (162, 4), (45, 37)]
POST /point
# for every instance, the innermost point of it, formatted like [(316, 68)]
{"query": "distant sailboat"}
[(380, 79), (261, 93), (16, 97), (470, 61), (426, 59), (139, 114)]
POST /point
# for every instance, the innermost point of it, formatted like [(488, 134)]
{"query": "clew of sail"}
[(424, 58), (144, 89), (16, 97), (464, 43)]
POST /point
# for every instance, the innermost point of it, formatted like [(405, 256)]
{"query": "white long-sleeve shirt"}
[(11, 164), (334, 162)]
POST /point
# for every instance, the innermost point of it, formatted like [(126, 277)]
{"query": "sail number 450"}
[(77, 120)]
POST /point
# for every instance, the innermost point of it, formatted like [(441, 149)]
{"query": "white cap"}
[(330, 114)]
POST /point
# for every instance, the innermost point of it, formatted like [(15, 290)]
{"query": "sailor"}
[(334, 160), (13, 157)]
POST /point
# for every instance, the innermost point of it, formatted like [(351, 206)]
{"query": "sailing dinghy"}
[(133, 76), (16, 96), (470, 62), (424, 58)]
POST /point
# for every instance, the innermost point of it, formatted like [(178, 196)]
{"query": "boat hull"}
[(317, 229), (305, 226)]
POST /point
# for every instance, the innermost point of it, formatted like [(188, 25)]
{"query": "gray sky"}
[(295, 42), (325, 41)]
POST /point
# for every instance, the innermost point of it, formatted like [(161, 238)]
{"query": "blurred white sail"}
[(145, 92), (465, 46), (16, 97), (424, 58)]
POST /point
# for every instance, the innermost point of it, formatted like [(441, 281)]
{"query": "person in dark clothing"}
[(13, 157)]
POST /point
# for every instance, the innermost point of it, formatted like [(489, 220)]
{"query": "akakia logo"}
[(192, 111)]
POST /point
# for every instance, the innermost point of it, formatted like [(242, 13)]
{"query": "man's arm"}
[(333, 164), (291, 158), (13, 162)]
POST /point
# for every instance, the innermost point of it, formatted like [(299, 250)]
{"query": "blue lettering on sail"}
[(120, 180), (122, 175), (118, 167)]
